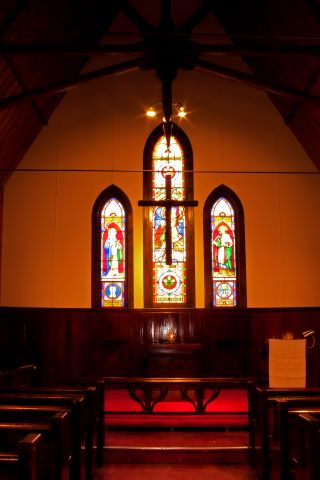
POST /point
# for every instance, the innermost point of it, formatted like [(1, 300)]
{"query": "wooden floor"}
[(150, 450), (175, 472), (201, 439), (175, 455)]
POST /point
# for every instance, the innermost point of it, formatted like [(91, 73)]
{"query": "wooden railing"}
[(200, 392)]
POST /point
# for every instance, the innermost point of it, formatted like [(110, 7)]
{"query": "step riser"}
[(175, 457)]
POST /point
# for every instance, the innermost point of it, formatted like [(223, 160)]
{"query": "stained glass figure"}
[(169, 281), (113, 229), (223, 254)]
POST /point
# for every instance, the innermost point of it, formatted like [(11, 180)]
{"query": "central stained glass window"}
[(169, 281)]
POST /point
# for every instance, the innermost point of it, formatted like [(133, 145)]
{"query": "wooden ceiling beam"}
[(64, 85), (261, 50), (251, 81), (5, 25), (140, 48), (196, 18), (310, 84), (135, 17), (20, 80), (69, 49), (13, 15)]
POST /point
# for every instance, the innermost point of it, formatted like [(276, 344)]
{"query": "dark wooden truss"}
[(166, 48)]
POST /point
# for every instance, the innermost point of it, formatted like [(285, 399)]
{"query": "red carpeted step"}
[(219, 421)]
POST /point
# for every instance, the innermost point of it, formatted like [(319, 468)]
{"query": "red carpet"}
[(118, 400), (229, 410)]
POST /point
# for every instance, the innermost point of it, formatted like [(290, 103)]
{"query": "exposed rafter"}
[(193, 21), (20, 80), (62, 86), (141, 47), (167, 48), (310, 84), (251, 81), (135, 17), (162, 40)]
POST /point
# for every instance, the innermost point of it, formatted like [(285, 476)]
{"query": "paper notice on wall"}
[(287, 363)]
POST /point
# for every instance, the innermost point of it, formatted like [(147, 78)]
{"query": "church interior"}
[(159, 184)]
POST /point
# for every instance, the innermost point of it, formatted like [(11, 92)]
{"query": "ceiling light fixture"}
[(182, 113), (156, 109), (151, 112)]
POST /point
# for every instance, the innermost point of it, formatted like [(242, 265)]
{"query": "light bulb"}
[(182, 113), (150, 112)]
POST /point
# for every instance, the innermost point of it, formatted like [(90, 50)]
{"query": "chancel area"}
[(159, 204)]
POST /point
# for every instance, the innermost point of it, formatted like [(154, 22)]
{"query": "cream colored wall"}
[(236, 134)]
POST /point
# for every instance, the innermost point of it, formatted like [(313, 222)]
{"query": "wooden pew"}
[(77, 404), (23, 464), (20, 378), (99, 384), (23, 375), (54, 446), (92, 417), (309, 466), (262, 401), (286, 444)]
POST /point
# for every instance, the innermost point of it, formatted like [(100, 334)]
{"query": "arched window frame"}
[(241, 288), (111, 192), (147, 238)]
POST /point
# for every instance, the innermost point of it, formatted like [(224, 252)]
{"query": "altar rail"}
[(200, 392), (148, 392)]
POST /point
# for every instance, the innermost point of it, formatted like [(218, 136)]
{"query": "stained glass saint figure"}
[(223, 254), (113, 254)]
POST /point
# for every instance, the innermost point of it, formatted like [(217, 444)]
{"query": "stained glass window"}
[(224, 273), (113, 228), (168, 229), (112, 272), (224, 250), (169, 281)]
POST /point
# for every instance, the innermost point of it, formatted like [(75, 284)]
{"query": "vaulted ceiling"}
[(45, 45)]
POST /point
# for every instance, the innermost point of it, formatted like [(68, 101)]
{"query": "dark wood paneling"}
[(63, 342)]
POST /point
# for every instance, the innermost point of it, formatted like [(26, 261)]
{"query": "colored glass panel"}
[(113, 246), (224, 281), (169, 281)]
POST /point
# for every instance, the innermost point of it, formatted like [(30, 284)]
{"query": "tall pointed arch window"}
[(224, 249), (168, 255), (112, 250)]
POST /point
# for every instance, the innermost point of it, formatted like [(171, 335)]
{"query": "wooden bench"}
[(309, 466), (286, 444), (77, 404), (92, 417), (23, 464), (262, 401), (18, 381), (23, 375), (99, 384), (54, 447)]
